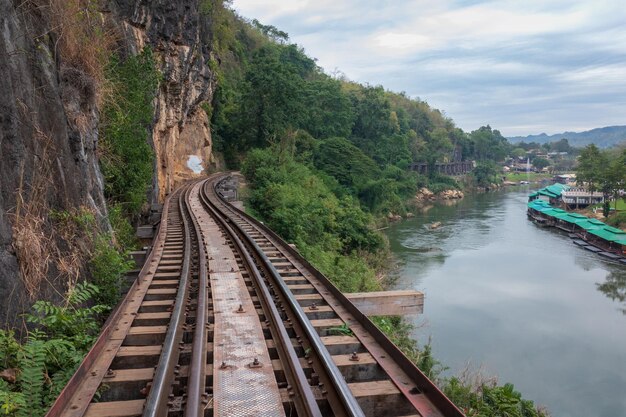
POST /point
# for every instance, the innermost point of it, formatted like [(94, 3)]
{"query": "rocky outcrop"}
[(424, 196), (48, 139), (174, 30), (450, 195)]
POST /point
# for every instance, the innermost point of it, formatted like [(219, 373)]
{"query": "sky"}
[(524, 67)]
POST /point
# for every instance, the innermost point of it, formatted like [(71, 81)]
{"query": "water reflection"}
[(615, 287), (523, 301)]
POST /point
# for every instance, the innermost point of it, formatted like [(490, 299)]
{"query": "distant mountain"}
[(603, 137)]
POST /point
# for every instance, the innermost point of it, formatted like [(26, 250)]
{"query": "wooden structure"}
[(444, 168), (388, 303)]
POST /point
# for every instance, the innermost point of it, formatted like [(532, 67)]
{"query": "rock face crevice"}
[(174, 30)]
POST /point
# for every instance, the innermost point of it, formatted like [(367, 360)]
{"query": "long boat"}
[(598, 237)]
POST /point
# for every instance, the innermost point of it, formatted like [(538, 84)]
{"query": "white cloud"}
[(534, 64)]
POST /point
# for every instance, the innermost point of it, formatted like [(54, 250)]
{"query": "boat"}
[(592, 248), (610, 255)]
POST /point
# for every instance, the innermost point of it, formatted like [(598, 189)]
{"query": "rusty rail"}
[(66, 398), (196, 384), (156, 403)]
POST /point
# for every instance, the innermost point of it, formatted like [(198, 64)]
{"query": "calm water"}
[(520, 301)]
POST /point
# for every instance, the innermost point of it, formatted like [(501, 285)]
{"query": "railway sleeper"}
[(160, 294), (145, 335), (164, 283), (302, 289), (295, 280), (132, 384), (156, 306)]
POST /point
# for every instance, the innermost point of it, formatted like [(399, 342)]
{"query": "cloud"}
[(521, 66)]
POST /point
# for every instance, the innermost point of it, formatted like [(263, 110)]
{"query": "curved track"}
[(227, 319)]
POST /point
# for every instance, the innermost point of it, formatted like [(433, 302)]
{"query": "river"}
[(520, 302)]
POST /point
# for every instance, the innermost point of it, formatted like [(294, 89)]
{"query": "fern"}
[(70, 321), (31, 378)]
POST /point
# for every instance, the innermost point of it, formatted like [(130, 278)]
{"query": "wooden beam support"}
[(388, 303)]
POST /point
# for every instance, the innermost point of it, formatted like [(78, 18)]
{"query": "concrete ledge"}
[(388, 303)]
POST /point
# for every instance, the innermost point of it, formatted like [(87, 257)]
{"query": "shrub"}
[(127, 157), (617, 220), (122, 228), (71, 320), (108, 267), (52, 351)]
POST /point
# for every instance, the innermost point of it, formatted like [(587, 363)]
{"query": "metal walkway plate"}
[(241, 386)]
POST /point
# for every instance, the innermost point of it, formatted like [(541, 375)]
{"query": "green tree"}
[(489, 144), (602, 172), (540, 163), (437, 147), (518, 153), (329, 110), (561, 146), (373, 118), (486, 173), (591, 166), (345, 162), (273, 97)]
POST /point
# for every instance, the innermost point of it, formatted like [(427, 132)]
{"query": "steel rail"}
[(66, 397), (196, 382), (307, 404), (349, 402), (156, 403), (425, 385)]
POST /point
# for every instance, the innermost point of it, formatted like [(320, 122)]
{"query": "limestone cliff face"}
[(181, 130), (49, 122), (48, 140)]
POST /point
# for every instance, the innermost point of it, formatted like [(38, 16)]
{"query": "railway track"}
[(226, 319)]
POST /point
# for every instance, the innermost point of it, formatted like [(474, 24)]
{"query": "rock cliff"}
[(48, 139), (175, 32), (49, 122)]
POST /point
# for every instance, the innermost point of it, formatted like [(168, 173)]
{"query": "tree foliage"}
[(602, 171)]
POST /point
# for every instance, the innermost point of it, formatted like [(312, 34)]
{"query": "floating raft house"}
[(591, 230)]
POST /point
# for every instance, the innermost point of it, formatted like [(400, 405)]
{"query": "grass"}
[(531, 176), (621, 205)]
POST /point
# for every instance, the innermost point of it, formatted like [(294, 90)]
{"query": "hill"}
[(603, 137)]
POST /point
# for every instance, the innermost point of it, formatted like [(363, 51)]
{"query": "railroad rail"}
[(227, 319)]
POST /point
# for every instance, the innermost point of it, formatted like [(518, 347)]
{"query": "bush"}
[(108, 267), (331, 231), (123, 230), (617, 220)]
